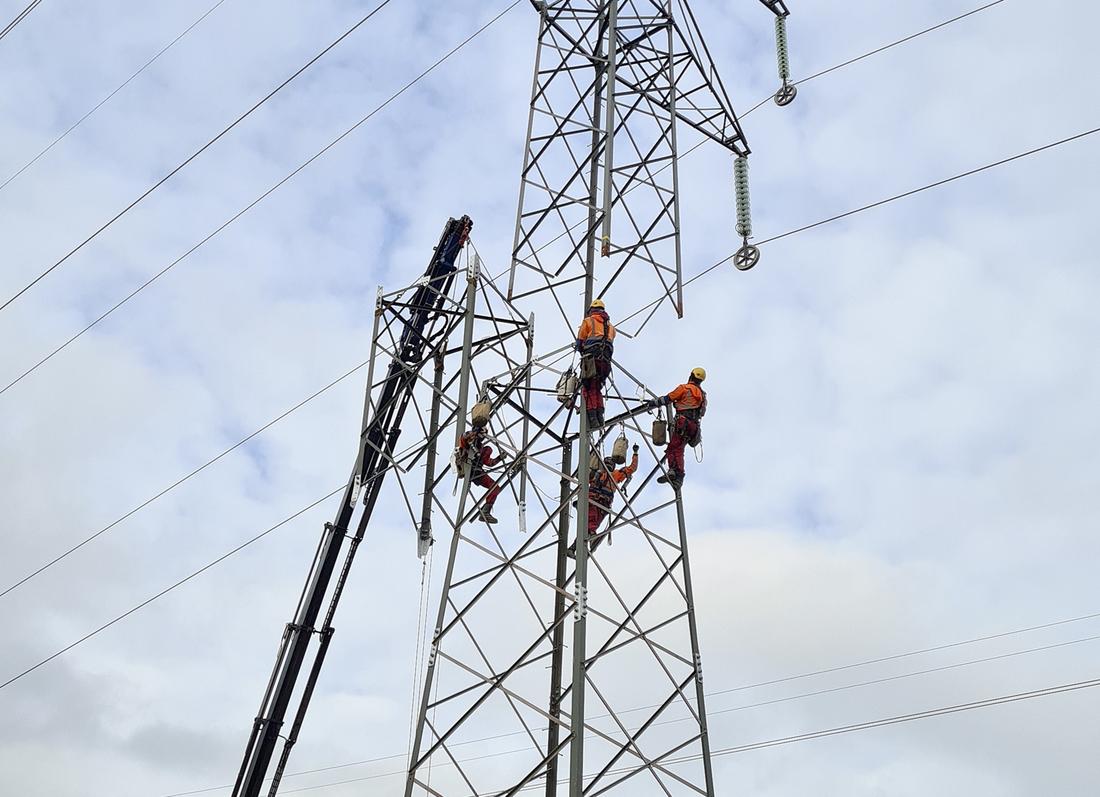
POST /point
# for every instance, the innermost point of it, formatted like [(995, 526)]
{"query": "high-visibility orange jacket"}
[(474, 443), (689, 396), (602, 483), (596, 327)]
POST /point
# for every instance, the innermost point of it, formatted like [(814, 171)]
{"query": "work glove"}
[(653, 404), (635, 448)]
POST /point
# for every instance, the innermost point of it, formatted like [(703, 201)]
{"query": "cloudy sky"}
[(900, 449)]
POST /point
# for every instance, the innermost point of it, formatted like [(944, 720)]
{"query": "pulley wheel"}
[(747, 257), (786, 95)]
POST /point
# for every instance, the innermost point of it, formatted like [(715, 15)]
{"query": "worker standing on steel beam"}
[(690, 402), (596, 343), (474, 449), (603, 482)]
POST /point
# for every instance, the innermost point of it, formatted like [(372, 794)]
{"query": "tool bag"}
[(618, 451), (479, 415), (567, 387), (660, 432), (588, 367)]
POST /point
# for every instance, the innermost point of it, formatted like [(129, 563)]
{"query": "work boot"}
[(571, 552), (487, 515), (595, 419), (673, 477)]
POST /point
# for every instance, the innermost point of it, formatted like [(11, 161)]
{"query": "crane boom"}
[(379, 433)]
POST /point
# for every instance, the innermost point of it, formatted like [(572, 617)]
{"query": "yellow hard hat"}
[(597, 303), (699, 373)]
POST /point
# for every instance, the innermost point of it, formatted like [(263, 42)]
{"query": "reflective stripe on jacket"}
[(596, 328)]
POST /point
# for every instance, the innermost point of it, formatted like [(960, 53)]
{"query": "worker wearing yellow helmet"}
[(690, 402), (596, 343)]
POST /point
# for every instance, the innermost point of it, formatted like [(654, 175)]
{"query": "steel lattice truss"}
[(613, 80), (496, 667)]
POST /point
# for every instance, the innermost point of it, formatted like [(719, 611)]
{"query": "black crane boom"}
[(379, 433)]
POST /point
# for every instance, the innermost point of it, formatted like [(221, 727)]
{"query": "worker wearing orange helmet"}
[(690, 403), (596, 339)]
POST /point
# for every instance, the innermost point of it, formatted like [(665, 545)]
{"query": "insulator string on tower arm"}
[(652, 306)]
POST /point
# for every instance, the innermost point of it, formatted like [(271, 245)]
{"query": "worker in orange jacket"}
[(602, 484), (479, 453), (596, 339), (690, 403)]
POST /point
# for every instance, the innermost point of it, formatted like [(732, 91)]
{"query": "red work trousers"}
[(683, 430), (593, 388), (595, 518), (493, 489)]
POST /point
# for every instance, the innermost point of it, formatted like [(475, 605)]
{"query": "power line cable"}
[(19, 18), (863, 726), (802, 696), (199, 151), (744, 748), (178, 482), (885, 47), (879, 203), (106, 99), (260, 198), (919, 715), (878, 50), (166, 590)]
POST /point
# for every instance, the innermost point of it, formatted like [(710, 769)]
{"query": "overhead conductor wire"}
[(259, 199), (106, 99), (19, 18), (198, 152)]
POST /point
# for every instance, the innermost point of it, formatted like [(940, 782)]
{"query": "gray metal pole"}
[(526, 423), (460, 424), (609, 127), (526, 161), (580, 582), (671, 67), (424, 535), (554, 733), (701, 705)]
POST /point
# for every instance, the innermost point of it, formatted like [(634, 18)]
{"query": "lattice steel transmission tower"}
[(555, 657), (598, 215)]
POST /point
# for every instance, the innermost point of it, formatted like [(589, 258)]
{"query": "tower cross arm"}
[(777, 7)]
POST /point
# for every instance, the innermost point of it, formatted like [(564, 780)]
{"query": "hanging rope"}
[(421, 619)]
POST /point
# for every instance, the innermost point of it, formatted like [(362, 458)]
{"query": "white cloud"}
[(901, 449)]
